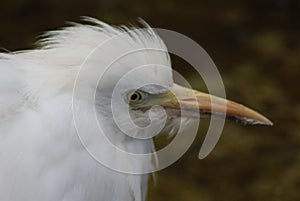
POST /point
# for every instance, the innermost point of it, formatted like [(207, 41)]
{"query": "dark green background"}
[(256, 46)]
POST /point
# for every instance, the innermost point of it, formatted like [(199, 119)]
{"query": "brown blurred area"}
[(255, 45)]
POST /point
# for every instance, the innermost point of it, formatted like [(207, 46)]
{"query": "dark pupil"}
[(134, 97)]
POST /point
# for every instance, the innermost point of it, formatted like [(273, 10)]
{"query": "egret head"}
[(138, 88), (126, 73)]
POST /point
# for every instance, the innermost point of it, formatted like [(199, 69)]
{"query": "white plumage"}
[(41, 155)]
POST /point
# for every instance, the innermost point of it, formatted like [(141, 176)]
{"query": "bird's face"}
[(183, 102), (137, 90), (143, 109)]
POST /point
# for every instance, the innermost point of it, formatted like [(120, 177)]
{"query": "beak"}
[(194, 104)]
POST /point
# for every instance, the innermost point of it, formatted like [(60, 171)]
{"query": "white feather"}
[(41, 156)]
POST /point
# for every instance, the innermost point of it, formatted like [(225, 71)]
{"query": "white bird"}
[(41, 154)]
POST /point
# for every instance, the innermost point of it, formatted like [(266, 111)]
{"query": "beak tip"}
[(264, 122), (248, 121), (269, 123)]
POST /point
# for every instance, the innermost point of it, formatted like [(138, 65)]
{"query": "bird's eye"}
[(134, 97)]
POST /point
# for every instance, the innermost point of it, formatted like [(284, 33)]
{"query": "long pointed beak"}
[(195, 103)]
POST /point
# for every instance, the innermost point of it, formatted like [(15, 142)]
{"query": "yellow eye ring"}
[(134, 97)]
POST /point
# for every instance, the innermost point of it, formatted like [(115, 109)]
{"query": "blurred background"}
[(255, 45)]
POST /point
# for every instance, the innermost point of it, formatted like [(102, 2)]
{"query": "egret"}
[(41, 155)]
